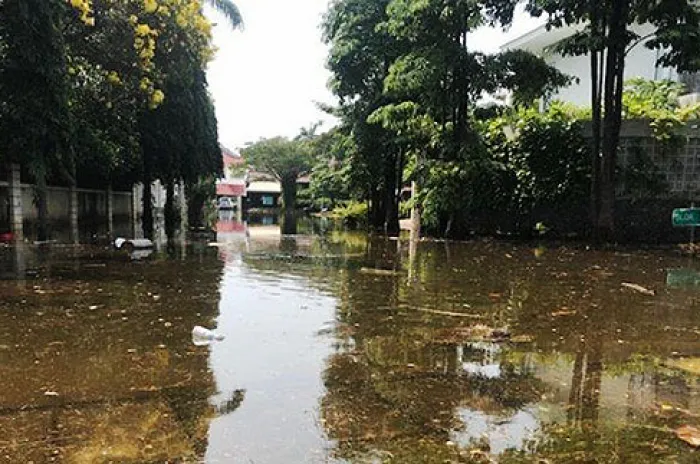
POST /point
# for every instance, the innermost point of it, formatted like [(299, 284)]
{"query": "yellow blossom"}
[(156, 99), (114, 78), (144, 30), (150, 6)]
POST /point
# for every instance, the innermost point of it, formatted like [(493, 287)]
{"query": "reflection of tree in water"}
[(392, 388), (387, 399), (130, 388), (395, 392), (584, 397)]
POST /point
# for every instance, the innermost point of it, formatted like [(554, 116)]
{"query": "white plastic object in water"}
[(204, 336), (134, 242)]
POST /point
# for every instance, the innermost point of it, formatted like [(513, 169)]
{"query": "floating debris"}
[(380, 272), (689, 434), (202, 336), (450, 313), (638, 288)]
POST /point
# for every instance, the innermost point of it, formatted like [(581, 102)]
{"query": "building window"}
[(268, 200)]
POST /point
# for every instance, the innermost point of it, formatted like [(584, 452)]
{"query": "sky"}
[(267, 78)]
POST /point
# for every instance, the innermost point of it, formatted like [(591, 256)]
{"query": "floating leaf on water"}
[(50, 393), (689, 434)]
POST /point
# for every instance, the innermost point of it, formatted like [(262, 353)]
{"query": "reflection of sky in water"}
[(501, 432), (276, 358)]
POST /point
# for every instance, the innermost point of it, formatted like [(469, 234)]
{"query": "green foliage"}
[(546, 154), (278, 156), (657, 101), (352, 213), (607, 36), (407, 84), (284, 159), (82, 90)]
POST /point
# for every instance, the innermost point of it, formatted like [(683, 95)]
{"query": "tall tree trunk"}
[(573, 413), (289, 223), (377, 210), (289, 192), (147, 218), (170, 211), (596, 95), (612, 118), (590, 401)]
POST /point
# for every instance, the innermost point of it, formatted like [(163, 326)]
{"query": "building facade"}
[(641, 61)]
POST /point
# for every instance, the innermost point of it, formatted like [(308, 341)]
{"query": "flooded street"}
[(341, 348)]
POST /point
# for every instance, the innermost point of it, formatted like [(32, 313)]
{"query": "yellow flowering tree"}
[(99, 91)]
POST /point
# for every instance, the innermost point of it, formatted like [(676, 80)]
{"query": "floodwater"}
[(341, 348)]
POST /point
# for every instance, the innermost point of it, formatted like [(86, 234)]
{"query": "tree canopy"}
[(102, 92), (284, 159), (407, 84)]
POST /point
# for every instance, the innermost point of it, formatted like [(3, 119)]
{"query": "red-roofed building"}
[(232, 188)]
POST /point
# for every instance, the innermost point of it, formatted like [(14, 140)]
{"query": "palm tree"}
[(228, 9)]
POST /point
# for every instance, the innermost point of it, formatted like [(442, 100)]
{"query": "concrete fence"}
[(97, 213), (677, 167)]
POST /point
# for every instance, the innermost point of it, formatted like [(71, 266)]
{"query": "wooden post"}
[(15, 195), (415, 213)]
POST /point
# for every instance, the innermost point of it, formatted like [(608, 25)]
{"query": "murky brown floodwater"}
[(451, 353)]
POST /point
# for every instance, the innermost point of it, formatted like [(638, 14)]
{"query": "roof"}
[(540, 38), (231, 158), (231, 189), (265, 187)]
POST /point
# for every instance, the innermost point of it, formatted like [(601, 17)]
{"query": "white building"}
[(641, 61)]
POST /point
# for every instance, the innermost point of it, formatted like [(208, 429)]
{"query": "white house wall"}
[(640, 62)]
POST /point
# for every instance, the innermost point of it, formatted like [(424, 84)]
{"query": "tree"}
[(78, 79), (284, 159), (361, 53), (607, 37), (435, 82), (330, 174), (34, 90)]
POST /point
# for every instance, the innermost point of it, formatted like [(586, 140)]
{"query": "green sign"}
[(686, 217)]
